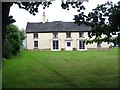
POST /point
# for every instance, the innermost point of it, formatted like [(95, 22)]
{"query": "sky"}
[(53, 13)]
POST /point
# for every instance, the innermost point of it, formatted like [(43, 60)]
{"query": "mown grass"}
[(63, 69)]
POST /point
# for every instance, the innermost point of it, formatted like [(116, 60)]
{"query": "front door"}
[(68, 45)]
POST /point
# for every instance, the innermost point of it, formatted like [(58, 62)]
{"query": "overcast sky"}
[(53, 13)]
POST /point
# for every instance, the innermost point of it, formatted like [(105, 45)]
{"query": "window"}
[(68, 44), (98, 44), (68, 34), (55, 44), (35, 35), (55, 35), (80, 34), (81, 44), (35, 44)]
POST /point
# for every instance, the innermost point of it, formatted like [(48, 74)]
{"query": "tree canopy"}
[(13, 41), (104, 19)]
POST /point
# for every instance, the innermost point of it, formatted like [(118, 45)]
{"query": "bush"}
[(13, 41)]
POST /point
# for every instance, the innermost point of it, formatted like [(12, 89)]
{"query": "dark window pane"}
[(98, 44), (68, 34), (55, 35), (35, 43), (80, 45), (68, 44), (35, 35), (55, 44), (81, 34)]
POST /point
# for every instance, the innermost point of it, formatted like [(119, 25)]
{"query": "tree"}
[(13, 41), (104, 19), (115, 16), (32, 7), (6, 19)]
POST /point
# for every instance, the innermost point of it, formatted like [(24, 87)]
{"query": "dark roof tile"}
[(56, 26)]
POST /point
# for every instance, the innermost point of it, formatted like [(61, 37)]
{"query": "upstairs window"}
[(55, 35), (68, 34), (81, 34), (35, 35)]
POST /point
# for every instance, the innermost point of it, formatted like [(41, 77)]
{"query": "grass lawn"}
[(63, 69)]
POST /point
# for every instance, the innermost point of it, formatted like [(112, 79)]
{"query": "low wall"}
[(98, 49), (47, 49), (63, 49)]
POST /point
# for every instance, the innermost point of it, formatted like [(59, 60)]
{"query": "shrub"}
[(13, 41)]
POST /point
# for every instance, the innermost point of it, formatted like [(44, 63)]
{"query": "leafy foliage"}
[(32, 7), (13, 41), (104, 20)]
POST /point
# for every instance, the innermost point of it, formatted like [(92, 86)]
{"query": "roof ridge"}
[(51, 22)]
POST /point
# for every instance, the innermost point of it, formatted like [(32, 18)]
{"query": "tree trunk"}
[(5, 18)]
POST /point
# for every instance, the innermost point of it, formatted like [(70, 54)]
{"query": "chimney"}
[(44, 17)]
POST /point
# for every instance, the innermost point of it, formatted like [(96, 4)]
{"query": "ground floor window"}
[(68, 44), (98, 44), (35, 44), (81, 44), (55, 44)]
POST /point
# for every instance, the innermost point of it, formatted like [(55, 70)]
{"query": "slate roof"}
[(56, 26)]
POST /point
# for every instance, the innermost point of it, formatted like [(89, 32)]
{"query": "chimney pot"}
[(44, 17)]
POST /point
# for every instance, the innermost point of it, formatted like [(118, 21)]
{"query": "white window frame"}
[(78, 42), (58, 45), (34, 45)]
